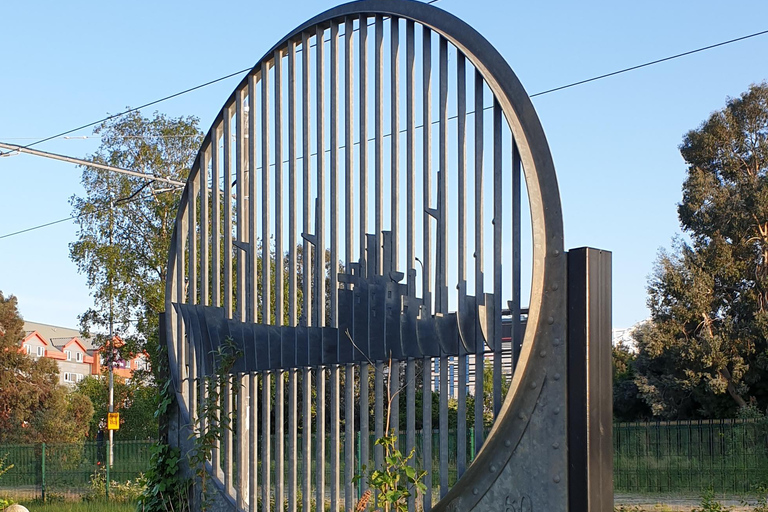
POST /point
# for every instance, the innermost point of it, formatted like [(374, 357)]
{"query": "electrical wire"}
[(548, 91), (155, 102), (123, 200)]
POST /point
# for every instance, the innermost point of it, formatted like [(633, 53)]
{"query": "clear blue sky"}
[(614, 141)]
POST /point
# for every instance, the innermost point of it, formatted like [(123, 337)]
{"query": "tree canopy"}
[(704, 352), (33, 406), (125, 223)]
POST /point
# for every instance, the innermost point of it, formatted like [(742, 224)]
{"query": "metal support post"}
[(590, 387)]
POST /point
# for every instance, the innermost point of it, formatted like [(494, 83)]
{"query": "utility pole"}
[(111, 358)]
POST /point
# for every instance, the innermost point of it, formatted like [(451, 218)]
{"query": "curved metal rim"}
[(546, 218)]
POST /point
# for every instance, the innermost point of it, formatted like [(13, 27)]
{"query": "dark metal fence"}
[(729, 456), (67, 469)]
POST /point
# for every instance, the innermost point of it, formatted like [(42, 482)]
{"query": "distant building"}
[(76, 355)]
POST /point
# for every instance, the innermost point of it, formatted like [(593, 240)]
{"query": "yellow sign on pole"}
[(113, 421)]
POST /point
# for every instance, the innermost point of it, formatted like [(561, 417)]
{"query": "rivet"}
[(475, 491), (493, 468), (550, 320), (533, 385), (556, 479), (521, 416), (556, 342), (507, 443), (556, 410), (543, 353), (557, 376), (555, 445), (555, 287), (556, 252)]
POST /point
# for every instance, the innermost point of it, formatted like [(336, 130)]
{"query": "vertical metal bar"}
[(410, 420), (242, 441), (320, 438), (410, 370), (441, 286), (394, 398), (479, 271), (292, 292), (216, 423), (205, 275), (349, 436), (517, 331), (349, 174), (306, 256), (365, 417), (266, 257), (443, 425), (279, 314), (379, 138), (461, 146), (410, 184), (334, 193), (394, 39), (427, 255), (279, 442), (253, 438), (292, 435), (241, 219), (497, 276), (266, 432), (363, 53), (192, 240), (306, 431), (194, 188), (226, 423), (278, 107), (252, 278), (215, 220), (378, 413), (320, 149), (227, 233)]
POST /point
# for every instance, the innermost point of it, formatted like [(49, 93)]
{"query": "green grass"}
[(79, 506)]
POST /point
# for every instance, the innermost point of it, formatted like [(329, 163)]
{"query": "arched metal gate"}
[(354, 213)]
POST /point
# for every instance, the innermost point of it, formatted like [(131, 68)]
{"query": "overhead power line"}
[(651, 63), (548, 91)]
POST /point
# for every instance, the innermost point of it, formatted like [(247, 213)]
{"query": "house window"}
[(79, 357), (80, 377), (67, 377), (40, 351), (69, 355), (29, 350)]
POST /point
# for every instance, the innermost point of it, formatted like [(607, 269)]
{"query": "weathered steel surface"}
[(424, 273)]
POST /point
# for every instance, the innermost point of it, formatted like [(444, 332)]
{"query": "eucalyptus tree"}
[(705, 352)]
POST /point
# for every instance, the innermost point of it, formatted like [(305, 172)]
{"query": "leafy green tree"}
[(627, 403), (135, 402), (33, 406), (125, 223), (704, 354)]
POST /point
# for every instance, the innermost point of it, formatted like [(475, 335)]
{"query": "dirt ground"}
[(677, 503)]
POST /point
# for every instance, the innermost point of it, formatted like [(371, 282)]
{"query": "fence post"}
[(42, 471)]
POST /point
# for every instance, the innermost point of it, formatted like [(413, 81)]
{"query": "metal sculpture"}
[(323, 234)]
